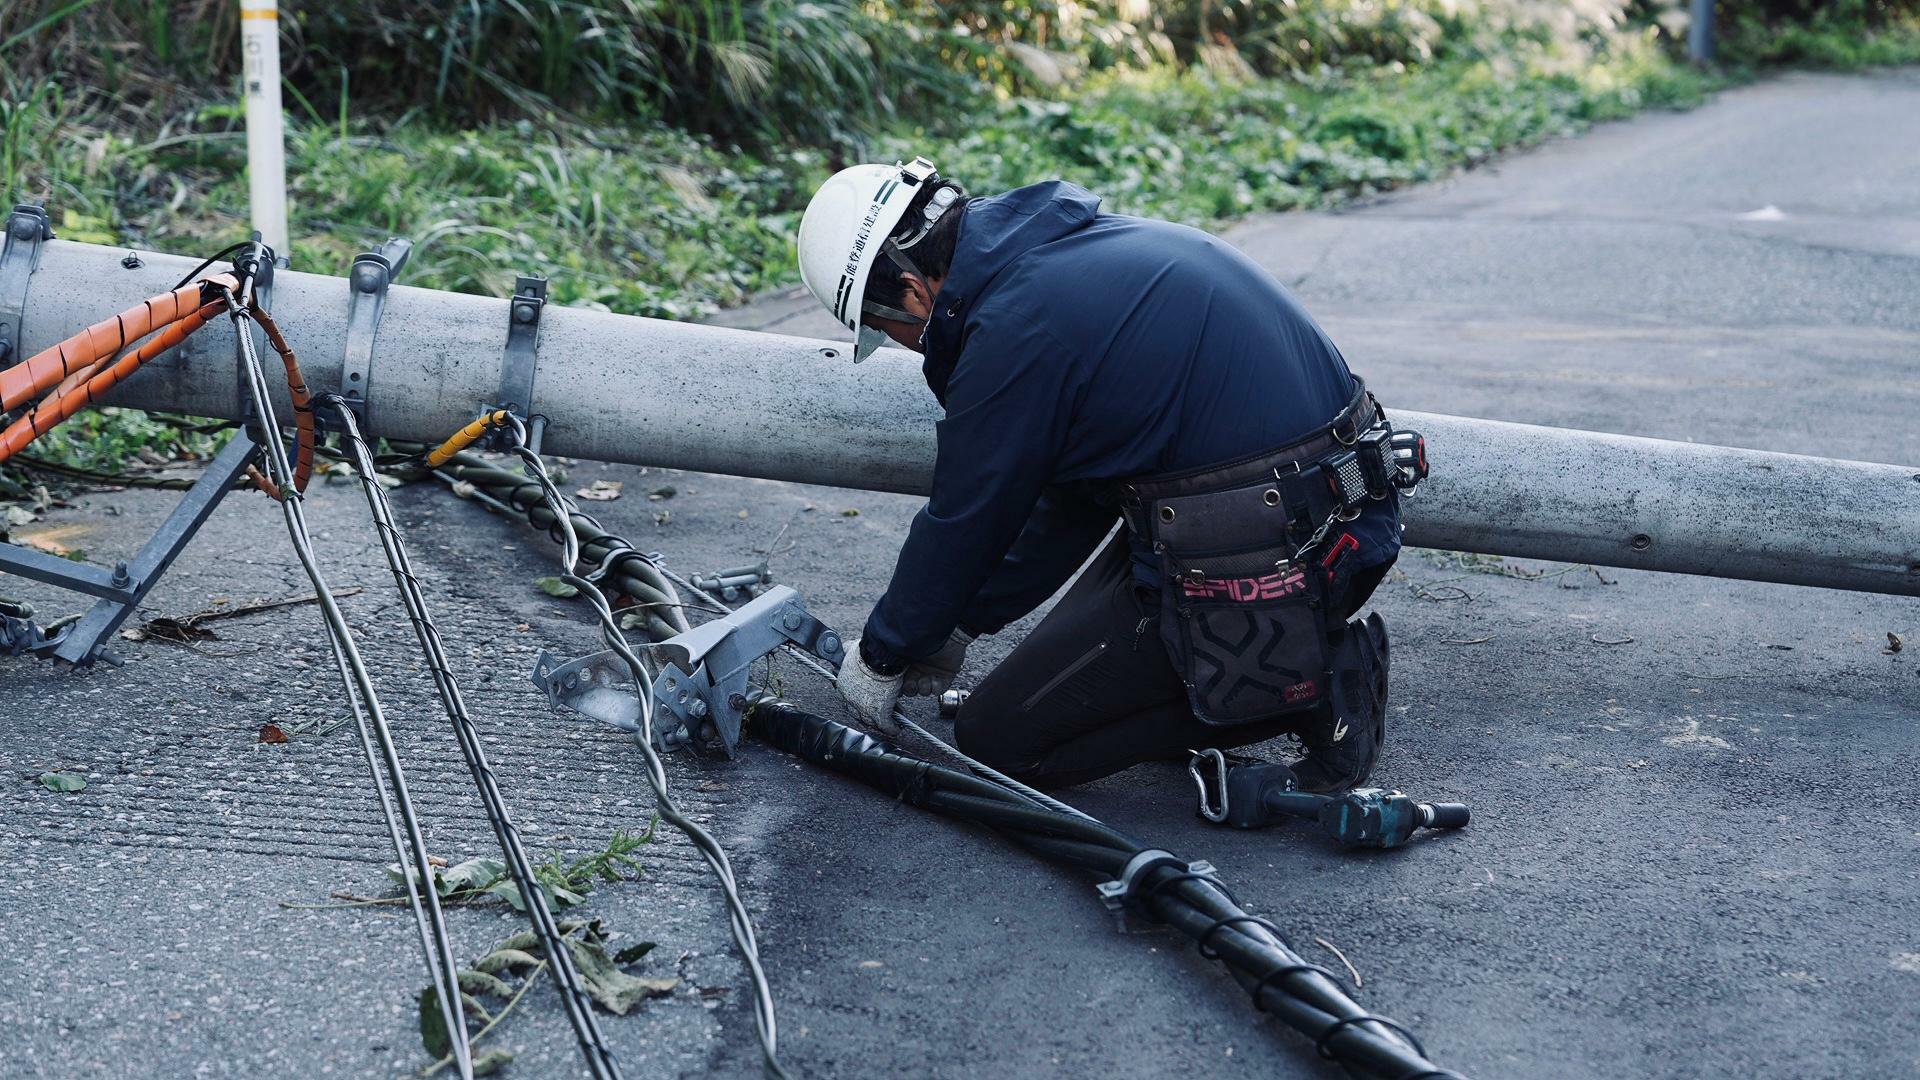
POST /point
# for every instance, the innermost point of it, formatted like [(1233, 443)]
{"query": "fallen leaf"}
[(524, 941), (615, 990), (492, 1061), (473, 875), (553, 586), (664, 491), (479, 982), (633, 952), (742, 515), (600, 491), (181, 631), (20, 515), (506, 960), (850, 512), (510, 892), (271, 734), (664, 517), (433, 1026), (63, 782), (1895, 643)]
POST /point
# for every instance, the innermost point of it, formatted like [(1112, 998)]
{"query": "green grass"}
[(645, 218), (650, 220)]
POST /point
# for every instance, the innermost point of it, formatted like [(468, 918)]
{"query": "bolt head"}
[(24, 227), (792, 620), (697, 709), (829, 643), (524, 313)]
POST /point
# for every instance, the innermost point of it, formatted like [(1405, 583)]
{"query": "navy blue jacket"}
[(1068, 345)]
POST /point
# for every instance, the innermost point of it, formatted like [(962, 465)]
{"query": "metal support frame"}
[(122, 591), (700, 692), (372, 273), (28, 228), (521, 359)]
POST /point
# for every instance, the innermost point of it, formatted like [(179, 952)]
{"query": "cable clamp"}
[(1119, 895), (367, 282), (28, 228), (618, 555), (518, 364)]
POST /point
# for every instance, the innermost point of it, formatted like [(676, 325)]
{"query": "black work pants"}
[(1092, 690)]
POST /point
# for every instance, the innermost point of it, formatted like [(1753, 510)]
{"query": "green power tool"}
[(1254, 794)]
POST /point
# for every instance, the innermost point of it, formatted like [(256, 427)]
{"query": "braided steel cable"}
[(738, 919), (661, 588), (619, 562), (566, 979), (422, 898)]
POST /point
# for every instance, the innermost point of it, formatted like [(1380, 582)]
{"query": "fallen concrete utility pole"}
[(687, 396)]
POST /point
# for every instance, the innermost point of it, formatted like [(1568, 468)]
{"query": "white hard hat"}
[(844, 230)]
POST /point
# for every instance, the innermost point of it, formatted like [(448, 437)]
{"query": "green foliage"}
[(1844, 34), (109, 439), (1195, 148), (566, 882)]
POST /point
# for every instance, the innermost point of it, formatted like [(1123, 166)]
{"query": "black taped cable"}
[(1163, 888)]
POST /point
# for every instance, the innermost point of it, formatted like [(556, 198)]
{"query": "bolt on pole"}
[(266, 123)]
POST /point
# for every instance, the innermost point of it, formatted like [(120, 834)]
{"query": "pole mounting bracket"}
[(700, 686), (28, 228), (518, 365), (372, 273)]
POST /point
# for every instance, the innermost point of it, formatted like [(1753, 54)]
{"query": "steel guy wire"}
[(739, 921), (573, 995), (371, 722)]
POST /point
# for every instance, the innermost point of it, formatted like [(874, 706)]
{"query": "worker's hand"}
[(932, 676), (871, 694)]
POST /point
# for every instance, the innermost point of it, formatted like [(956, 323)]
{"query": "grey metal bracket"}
[(700, 688), (737, 583), (367, 282), (521, 359), (121, 590), (28, 229)]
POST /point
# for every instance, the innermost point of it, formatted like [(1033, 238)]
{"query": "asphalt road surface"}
[(1695, 849)]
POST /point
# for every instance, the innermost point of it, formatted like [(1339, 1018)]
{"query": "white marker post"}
[(266, 124)]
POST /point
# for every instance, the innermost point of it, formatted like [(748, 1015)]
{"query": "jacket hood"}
[(994, 233)]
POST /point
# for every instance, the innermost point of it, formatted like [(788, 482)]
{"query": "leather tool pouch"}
[(1245, 626)]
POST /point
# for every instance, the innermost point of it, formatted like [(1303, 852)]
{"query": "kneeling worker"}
[(1096, 369)]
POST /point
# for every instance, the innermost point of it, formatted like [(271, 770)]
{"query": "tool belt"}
[(1247, 562)]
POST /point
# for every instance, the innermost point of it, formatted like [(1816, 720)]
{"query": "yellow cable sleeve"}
[(466, 437)]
